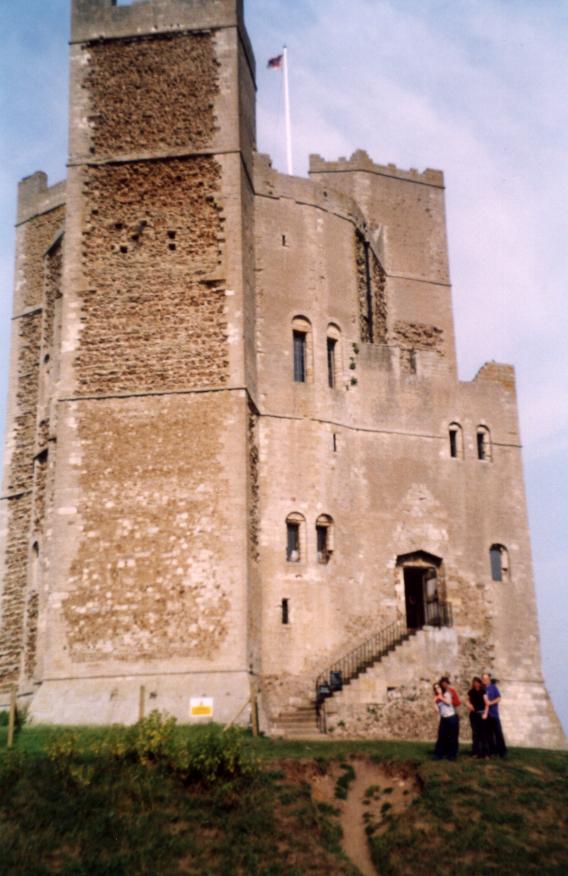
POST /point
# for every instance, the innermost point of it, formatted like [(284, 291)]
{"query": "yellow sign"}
[(201, 707)]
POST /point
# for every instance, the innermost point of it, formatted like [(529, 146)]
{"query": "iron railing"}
[(365, 655)]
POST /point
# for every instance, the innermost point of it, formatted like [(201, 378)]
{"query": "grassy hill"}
[(158, 799)]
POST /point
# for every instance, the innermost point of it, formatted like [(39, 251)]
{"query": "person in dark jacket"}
[(494, 731), (476, 706)]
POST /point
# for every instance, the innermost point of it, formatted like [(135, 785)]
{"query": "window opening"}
[(456, 440), (283, 240), (323, 553), (331, 345), (453, 443), (285, 607), (324, 538), (293, 542), (499, 560), (42, 456), (299, 356), (335, 442), (483, 443)]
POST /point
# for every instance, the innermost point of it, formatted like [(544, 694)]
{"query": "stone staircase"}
[(298, 723), (307, 720)]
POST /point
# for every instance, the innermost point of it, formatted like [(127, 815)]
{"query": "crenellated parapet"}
[(104, 19), (360, 161), (497, 372), (35, 196), (270, 183)]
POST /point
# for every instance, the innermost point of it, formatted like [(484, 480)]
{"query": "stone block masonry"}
[(35, 236), (153, 310), (171, 81), (143, 584), (238, 447)]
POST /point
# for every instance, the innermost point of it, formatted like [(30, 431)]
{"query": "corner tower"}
[(145, 580)]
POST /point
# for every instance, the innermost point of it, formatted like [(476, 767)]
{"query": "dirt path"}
[(353, 811), (376, 792)]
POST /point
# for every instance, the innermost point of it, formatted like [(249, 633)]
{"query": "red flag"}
[(275, 62)]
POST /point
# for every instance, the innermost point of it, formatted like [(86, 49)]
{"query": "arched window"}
[(333, 352), (295, 528), (324, 538), (455, 434), (302, 349), (484, 443), (499, 560)]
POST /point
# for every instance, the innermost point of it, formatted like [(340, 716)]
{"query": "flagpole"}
[(287, 113)]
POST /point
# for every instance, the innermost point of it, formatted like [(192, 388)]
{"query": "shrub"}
[(215, 754), (154, 737)]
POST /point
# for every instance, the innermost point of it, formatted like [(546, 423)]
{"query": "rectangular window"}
[(322, 544), (453, 443), (299, 357), (285, 612), (331, 343), (496, 566), (293, 542)]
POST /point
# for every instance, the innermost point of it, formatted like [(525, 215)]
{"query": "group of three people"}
[(483, 705)]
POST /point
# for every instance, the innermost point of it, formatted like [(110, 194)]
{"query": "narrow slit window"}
[(302, 352), (324, 538), (285, 609), (331, 364), (456, 441), (299, 356), (295, 537), (323, 553), (483, 443), (499, 562), (334, 355), (453, 443)]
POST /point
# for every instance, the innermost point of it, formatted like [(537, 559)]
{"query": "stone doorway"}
[(414, 597), (421, 580)]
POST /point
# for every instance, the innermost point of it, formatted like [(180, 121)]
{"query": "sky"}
[(476, 88)]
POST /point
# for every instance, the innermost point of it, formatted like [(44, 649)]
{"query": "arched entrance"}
[(421, 578)]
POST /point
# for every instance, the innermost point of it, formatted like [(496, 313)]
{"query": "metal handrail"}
[(365, 655)]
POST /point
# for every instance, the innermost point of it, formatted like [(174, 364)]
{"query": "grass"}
[(71, 811), (491, 817)]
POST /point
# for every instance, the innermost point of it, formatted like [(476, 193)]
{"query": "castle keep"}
[(238, 451)]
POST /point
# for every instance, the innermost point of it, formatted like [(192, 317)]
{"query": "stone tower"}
[(237, 444)]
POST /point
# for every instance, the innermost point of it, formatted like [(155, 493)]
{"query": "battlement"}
[(497, 372), (270, 183), (360, 161), (104, 19), (35, 196)]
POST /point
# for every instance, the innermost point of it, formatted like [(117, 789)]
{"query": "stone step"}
[(312, 735), (292, 721)]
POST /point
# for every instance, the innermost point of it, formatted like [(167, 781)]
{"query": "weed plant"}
[(161, 799), (156, 799)]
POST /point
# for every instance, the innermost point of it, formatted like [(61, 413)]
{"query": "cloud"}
[(475, 90)]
